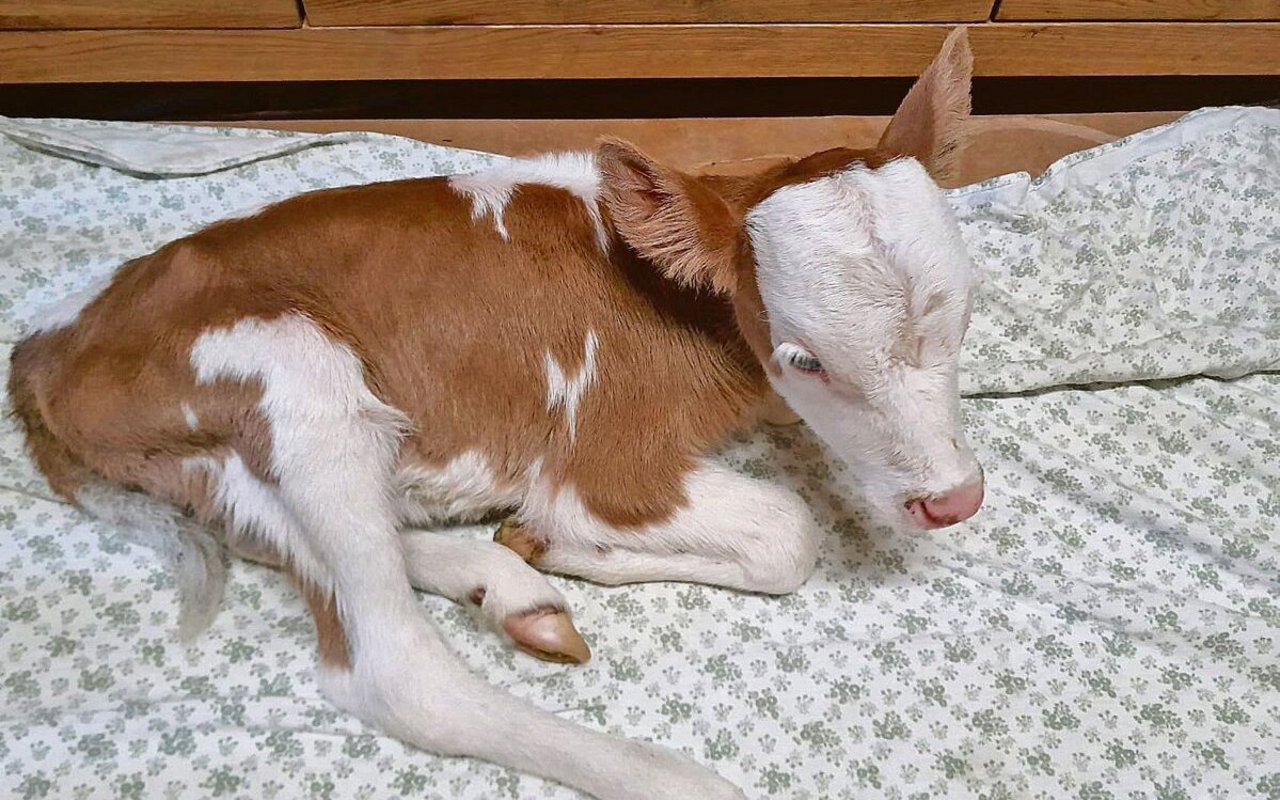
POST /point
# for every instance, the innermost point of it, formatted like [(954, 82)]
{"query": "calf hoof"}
[(548, 635), (514, 537)]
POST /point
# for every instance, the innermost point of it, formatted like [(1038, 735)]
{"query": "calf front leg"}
[(734, 531), (511, 595)]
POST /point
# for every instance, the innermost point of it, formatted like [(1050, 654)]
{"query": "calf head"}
[(850, 282)]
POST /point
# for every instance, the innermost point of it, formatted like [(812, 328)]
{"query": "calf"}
[(566, 339)]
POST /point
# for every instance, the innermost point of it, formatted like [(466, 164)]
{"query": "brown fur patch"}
[(332, 645), (673, 219), (453, 325)]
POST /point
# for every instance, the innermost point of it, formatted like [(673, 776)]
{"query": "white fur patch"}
[(189, 414), (462, 490), (310, 384), (184, 546), (567, 392), (252, 510), (454, 567), (491, 190), (735, 531)]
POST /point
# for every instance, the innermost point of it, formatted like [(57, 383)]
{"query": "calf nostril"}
[(947, 508), (919, 512), (956, 505)]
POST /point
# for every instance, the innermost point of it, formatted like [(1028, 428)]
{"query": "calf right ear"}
[(672, 219), (929, 125)]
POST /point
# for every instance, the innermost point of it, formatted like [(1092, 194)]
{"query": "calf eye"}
[(801, 359), (806, 363)]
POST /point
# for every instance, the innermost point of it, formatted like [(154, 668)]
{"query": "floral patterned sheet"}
[(1108, 628)]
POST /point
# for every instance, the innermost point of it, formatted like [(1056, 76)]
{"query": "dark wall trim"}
[(592, 99)]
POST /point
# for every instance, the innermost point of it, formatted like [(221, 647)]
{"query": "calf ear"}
[(928, 126), (672, 219)]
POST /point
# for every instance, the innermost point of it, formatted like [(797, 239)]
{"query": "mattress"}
[(1107, 628)]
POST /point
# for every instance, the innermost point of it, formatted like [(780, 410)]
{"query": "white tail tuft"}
[(187, 548)]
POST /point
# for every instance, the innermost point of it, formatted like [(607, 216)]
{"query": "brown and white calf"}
[(566, 339)]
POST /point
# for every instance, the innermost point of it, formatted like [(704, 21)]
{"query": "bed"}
[(1108, 628)]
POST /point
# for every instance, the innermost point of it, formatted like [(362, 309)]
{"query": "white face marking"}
[(189, 414), (462, 490), (567, 392), (491, 190), (66, 311), (865, 277)]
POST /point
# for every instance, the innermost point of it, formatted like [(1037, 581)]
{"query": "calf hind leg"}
[(401, 677), (334, 445), (382, 661)]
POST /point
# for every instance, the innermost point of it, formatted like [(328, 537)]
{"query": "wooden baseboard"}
[(996, 144)]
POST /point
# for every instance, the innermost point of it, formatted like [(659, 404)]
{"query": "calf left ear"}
[(672, 219), (929, 124)]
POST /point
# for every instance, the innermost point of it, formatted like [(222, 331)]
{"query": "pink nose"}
[(948, 508)]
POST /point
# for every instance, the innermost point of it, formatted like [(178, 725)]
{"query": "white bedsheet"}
[(1107, 628)]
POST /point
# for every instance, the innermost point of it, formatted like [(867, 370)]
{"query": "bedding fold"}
[(1156, 256)]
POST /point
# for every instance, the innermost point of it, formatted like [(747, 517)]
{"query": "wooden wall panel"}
[(63, 14), (1139, 10), (633, 51), (518, 12)]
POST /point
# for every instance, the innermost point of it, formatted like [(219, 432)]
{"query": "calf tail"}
[(186, 547)]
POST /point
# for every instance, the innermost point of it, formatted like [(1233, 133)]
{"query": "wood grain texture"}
[(1139, 10), (519, 12), (63, 14), (996, 144), (633, 51)]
